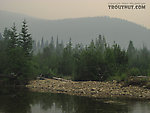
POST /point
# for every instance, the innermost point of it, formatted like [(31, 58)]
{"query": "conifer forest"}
[(24, 59)]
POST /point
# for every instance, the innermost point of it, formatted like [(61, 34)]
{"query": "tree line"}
[(24, 58), (96, 61)]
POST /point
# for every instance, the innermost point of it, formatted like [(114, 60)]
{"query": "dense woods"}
[(25, 59), (96, 61)]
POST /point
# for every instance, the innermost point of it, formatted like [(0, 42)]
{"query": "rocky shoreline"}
[(89, 88)]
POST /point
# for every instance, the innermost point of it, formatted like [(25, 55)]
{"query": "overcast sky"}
[(60, 9)]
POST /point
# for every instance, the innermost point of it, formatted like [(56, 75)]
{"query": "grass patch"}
[(117, 77)]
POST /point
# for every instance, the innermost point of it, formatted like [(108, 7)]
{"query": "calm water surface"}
[(23, 101)]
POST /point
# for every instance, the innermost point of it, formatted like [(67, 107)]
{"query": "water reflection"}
[(140, 107), (14, 101), (23, 101)]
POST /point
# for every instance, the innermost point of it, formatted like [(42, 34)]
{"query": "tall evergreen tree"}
[(14, 53), (52, 42), (6, 34), (42, 43), (14, 37), (1, 36), (131, 49), (25, 39)]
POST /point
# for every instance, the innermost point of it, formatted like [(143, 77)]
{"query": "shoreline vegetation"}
[(22, 60), (94, 89)]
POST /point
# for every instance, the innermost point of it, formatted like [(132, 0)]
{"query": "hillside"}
[(81, 29)]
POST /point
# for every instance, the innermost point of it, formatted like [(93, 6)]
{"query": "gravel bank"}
[(89, 88)]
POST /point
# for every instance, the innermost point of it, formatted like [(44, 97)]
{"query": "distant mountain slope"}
[(81, 29)]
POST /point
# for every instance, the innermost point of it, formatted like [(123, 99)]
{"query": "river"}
[(20, 100)]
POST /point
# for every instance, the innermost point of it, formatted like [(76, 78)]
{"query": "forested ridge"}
[(81, 30), (25, 59)]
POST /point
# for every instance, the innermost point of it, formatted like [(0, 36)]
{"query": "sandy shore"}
[(89, 88)]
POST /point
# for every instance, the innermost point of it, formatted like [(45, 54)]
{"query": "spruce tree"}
[(14, 53), (1, 36), (6, 34), (42, 43), (13, 37), (26, 40), (25, 43)]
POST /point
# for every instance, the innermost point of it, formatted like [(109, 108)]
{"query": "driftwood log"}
[(61, 79)]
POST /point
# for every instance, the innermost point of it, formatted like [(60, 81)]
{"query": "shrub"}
[(134, 72), (118, 77), (138, 81)]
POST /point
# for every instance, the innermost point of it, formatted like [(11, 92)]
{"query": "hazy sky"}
[(60, 9)]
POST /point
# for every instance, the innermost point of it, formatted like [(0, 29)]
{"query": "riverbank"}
[(89, 88)]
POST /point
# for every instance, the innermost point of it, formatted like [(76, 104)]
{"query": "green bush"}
[(133, 72), (148, 73), (138, 81), (118, 77)]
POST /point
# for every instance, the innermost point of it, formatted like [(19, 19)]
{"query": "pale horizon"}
[(64, 9)]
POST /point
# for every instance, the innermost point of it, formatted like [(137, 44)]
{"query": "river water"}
[(20, 100)]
